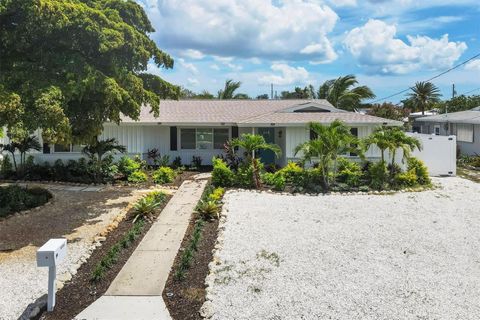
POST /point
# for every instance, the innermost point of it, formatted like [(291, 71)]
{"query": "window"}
[(203, 138), (220, 136), (465, 132), (187, 138), (68, 148)]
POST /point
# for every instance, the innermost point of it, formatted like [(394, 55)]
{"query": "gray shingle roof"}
[(470, 117), (249, 112)]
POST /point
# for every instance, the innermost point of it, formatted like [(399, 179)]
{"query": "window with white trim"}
[(203, 138), (464, 132), (75, 148)]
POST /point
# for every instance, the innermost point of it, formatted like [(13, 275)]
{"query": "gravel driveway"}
[(401, 256)]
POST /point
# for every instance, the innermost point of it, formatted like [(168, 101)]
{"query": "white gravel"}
[(401, 256)]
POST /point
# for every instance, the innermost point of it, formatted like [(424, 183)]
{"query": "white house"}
[(188, 128)]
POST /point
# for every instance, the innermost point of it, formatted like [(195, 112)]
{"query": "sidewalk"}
[(136, 292)]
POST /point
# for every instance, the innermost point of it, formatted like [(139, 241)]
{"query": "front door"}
[(267, 156)]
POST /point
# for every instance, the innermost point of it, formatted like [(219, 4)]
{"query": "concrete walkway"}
[(136, 292)]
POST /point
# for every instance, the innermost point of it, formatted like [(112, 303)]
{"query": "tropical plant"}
[(164, 175), (145, 207), (127, 165), (424, 95), (137, 177), (251, 143), (217, 194), (329, 143), (421, 171), (382, 138), (100, 153), (222, 175), (388, 110), (208, 210), (22, 145), (228, 92), (196, 162), (340, 94), (400, 140)]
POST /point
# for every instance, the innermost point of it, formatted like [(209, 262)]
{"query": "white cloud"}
[(192, 82), (473, 65), (215, 67), (192, 54), (343, 3), (288, 75), (188, 66), (376, 47), (244, 28), (227, 61)]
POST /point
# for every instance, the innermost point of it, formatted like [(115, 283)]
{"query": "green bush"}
[(14, 198), (127, 166), (293, 173), (216, 195), (349, 172), (277, 180), (164, 175), (222, 175), (208, 210), (420, 170), (406, 179), (7, 168), (137, 177), (147, 205), (244, 176), (378, 175)]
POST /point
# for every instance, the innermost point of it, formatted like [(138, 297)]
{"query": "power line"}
[(465, 93), (432, 78)]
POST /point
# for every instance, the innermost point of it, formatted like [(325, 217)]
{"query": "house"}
[(188, 128), (463, 124)]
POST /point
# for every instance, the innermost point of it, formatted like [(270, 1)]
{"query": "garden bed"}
[(15, 199), (80, 292)]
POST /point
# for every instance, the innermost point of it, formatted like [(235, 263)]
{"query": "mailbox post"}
[(50, 255)]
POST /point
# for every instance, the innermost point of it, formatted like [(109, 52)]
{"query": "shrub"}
[(349, 172), (137, 177), (208, 210), (14, 198), (420, 170), (7, 168), (216, 194), (177, 162), (405, 179), (164, 175), (277, 180), (196, 162), (293, 173), (378, 175), (127, 166), (244, 176), (222, 175)]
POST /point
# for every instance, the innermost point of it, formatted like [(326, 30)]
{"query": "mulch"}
[(184, 298), (80, 292)]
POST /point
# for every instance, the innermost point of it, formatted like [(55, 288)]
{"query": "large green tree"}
[(68, 66), (344, 93)]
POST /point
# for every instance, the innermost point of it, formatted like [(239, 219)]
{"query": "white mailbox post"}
[(50, 255)]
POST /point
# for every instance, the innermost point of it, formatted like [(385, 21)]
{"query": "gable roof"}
[(250, 112), (471, 116)]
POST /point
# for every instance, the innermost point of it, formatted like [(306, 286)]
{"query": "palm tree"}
[(229, 91), (97, 150), (423, 95), (22, 146), (401, 141), (382, 138), (340, 94), (329, 143), (251, 143)]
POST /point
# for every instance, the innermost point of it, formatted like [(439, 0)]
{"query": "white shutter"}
[(465, 132)]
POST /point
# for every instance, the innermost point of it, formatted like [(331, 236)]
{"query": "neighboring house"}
[(188, 128), (463, 124)]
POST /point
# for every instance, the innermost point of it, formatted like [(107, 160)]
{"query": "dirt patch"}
[(69, 211), (80, 292), (185, 298), (469, 174)]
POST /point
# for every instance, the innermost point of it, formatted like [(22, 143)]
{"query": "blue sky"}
[(388, 44)]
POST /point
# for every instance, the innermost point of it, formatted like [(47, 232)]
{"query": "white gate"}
[(439, 153)]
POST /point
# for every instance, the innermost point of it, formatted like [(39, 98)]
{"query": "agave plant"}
[(208, 210)]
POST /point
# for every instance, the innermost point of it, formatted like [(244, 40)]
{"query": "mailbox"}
[(51, 254)]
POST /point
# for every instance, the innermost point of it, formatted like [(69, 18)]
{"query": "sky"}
[(387, 44)]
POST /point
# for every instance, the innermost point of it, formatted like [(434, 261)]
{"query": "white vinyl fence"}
[(439, 153)]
